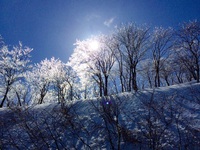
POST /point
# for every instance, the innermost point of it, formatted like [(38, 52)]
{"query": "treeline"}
[(135, 57), (132, 57)]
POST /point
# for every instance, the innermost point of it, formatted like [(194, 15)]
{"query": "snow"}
[(160, 118)]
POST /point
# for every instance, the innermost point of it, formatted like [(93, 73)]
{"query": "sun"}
[(94, 44)]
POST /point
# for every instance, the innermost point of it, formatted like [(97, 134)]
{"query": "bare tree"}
[(181, 73), (122, 68), (161, 46), (146, 72), (188, 47), (133, 45), (106, 60)]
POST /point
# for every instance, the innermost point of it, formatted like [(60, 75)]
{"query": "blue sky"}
[(51, 27)]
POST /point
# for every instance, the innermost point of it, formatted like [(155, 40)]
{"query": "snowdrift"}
[(161, 118)]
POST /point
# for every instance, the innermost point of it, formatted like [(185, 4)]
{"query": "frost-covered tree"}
[(120, 70), (146, 73), (134, 42), (13, 64), (188, 47), (63, 78), (106, 59), (94, 62), (19, 94), (180, 71), (167, 72), (161, 45), (50, 80), (39, 81)]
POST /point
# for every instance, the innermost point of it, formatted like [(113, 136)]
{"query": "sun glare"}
[(94, 45)]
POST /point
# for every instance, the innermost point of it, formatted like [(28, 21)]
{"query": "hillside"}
[(161, 118)]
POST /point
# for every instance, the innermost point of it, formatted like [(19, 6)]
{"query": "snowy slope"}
[(161, 118)]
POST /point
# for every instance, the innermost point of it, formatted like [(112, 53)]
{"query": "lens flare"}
[(94, 45)]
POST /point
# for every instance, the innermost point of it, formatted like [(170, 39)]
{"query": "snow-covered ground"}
[(161, 118)]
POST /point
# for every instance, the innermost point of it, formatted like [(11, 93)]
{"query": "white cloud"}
[(109, 22)]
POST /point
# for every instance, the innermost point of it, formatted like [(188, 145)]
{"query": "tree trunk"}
[(134, 82), (106, 86), (155, 81), (122, 84), (130, 79), (85, 92), (19, 100), (71, 92), (166, 79), (198, 69), (5, 96), (149, 79), (100, 88), (157, 76)]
